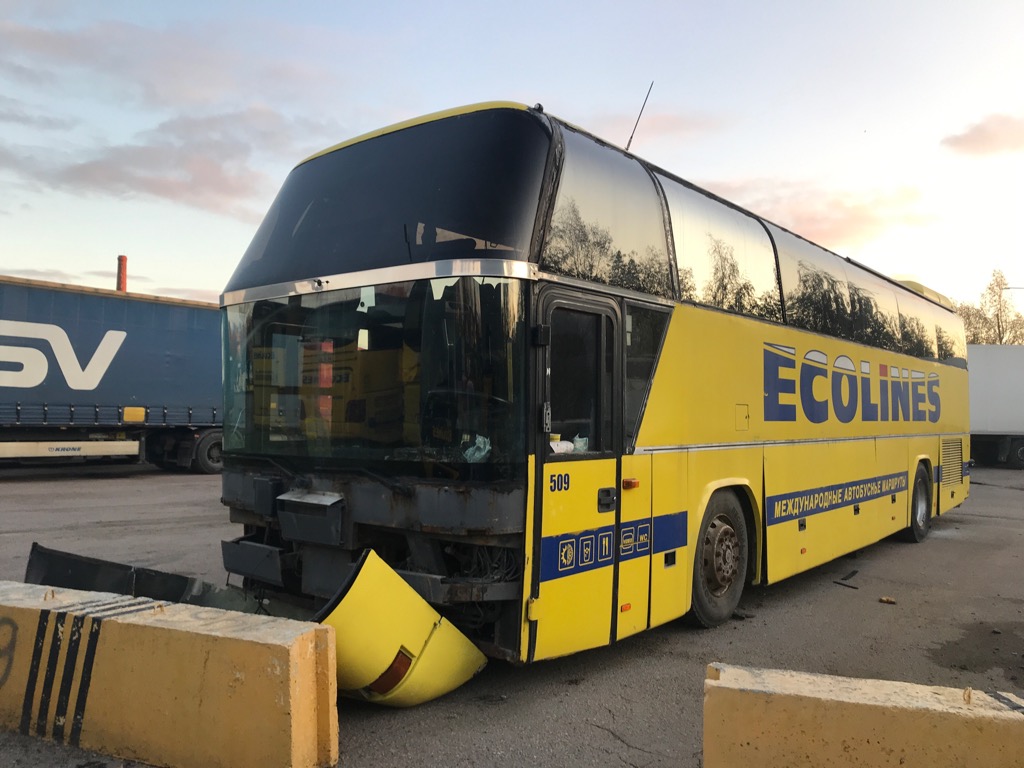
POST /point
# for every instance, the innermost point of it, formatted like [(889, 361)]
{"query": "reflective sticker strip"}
[(572, 553), (813, 501)]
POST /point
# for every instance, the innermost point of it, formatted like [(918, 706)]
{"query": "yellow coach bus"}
[(563, 393)]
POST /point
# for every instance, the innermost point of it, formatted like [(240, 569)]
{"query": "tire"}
[(209, 459), (720, 561), (920, 507), (1015, 459)]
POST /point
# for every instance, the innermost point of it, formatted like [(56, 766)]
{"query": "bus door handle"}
[(606, 499)]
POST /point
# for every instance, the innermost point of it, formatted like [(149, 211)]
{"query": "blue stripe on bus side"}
[(572, 553), (669, 532), (813, 501)]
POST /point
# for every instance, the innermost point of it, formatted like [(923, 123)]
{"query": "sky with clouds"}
[(889, 132)]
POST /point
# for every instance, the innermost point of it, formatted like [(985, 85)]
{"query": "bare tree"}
[(976, 323), (998, 307), (995, 320)]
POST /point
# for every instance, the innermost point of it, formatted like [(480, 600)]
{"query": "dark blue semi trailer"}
[(86, 372)]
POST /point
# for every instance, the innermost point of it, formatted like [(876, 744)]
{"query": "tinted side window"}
[(607, 224), (814, 285), (950, 339), (917, 328), (724, 256), (645, 329), (874, 314)]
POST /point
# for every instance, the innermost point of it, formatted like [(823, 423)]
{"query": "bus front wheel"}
[(720, 561)]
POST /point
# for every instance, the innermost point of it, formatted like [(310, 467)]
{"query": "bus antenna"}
[(638, 116)]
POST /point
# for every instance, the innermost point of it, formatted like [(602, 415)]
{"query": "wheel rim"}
[(921, 505), (721, 555)]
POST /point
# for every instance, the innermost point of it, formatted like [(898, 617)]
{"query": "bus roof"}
[(454, 112)]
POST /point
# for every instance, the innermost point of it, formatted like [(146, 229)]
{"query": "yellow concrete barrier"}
[(166, 683), (777, 719)]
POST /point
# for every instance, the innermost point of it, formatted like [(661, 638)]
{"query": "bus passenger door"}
[(578, 475)]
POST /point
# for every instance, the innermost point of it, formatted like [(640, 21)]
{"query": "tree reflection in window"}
[(870, 323), (724, 256), (585, 250), (915, 339), (727, 287), (730, 289), (947, 346), (819, 302)]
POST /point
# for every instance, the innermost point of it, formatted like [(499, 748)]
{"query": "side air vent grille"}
[(952, 462)]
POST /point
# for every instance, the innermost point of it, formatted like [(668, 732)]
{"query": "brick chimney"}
[(122, 273)]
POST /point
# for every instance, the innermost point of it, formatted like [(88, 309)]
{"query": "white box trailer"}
[(995, 378)]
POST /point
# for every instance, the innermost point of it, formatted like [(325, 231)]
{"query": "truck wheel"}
[(1016, 457), (209, 460), (920, 507), (720, 561)]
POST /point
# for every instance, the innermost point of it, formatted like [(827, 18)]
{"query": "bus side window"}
[(645, 329)]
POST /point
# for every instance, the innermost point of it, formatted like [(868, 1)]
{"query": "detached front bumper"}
[(392, 647)]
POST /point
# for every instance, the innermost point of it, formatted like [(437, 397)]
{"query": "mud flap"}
[(393, 647)]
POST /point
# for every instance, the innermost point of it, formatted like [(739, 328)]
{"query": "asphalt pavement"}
[(954, 616)]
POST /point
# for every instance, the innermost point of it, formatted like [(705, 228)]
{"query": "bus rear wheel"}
[(920, 507), (720, 561)]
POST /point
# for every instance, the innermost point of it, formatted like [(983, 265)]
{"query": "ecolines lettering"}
[(878, 393), (34, 365)]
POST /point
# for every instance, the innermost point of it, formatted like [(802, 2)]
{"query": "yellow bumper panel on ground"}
[(776, 719), (166, 683), (393, 648)]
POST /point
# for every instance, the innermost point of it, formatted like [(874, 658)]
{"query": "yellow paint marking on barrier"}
[(779, 719), (166, 683)]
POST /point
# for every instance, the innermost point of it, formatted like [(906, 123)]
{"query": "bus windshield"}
[(423, 378), (457, 187)]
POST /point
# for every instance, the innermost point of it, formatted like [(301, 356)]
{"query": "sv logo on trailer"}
[(34, 365)]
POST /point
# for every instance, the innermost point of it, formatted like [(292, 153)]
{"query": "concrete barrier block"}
[(165, 683), (772, 718)]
